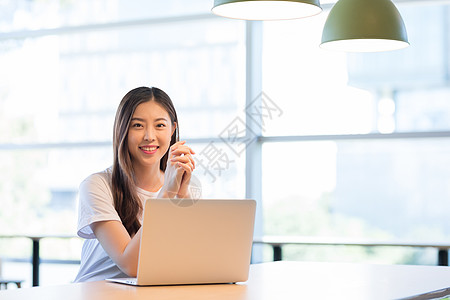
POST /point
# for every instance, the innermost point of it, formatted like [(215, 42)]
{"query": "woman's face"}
[(149, 134)]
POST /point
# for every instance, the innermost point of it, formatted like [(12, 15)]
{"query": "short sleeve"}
[(95, 204)]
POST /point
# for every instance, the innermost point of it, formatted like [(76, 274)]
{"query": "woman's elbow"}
[(129, 270)]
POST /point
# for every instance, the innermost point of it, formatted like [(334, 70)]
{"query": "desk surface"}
[(277, 280)]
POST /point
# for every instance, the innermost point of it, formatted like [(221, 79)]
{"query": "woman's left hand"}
[(181, 154)]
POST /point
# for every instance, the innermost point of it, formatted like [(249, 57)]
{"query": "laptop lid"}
[(186, 241)]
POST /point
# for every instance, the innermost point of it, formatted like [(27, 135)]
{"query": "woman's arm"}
[(115, 240)]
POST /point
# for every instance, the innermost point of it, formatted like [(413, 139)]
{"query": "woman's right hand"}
[(179, 161)]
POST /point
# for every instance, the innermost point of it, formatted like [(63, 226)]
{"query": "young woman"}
[(149, 162)]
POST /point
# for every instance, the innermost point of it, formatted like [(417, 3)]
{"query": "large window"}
[(357, 145), (59, 92), (65, 67), (361, 149)]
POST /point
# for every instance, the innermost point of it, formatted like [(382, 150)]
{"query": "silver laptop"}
[(192, 241)]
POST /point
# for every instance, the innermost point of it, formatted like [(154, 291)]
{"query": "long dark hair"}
[(126, 200)]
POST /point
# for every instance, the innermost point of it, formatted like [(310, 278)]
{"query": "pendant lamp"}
[(364, 26), (266, 9)]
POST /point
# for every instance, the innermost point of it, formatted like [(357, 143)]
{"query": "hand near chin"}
[(178, 171)]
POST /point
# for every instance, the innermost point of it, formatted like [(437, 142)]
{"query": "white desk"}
[(276, 280)]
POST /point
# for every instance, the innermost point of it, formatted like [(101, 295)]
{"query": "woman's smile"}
[(150, 149)]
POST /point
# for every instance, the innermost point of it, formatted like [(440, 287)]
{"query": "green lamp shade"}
[(265, 9), (364, 26)]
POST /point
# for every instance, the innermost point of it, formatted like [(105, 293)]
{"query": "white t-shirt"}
[(96, 204)]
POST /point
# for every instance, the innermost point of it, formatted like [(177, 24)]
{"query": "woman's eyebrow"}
[(160, 119), (138, 119)]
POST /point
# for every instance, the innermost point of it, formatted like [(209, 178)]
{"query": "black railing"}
[(35, 258), (41, 261), (276, 242)]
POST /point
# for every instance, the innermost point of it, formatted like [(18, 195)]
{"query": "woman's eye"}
[(137, 125), (161, 125)]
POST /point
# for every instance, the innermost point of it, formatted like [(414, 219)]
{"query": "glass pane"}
[(376, 189), (309, 84), (60, 89), (220, 170), (336, 93), (415, 114), (32, 15), (39, 188), (74, 82)]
